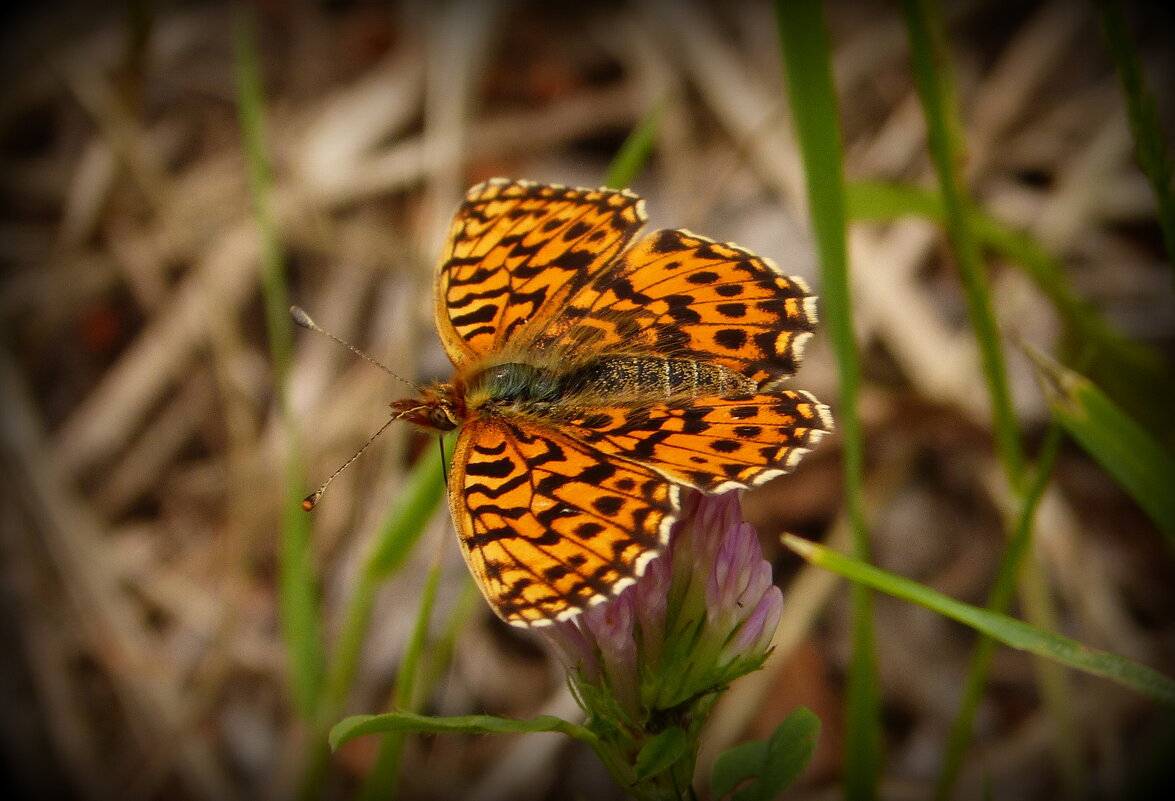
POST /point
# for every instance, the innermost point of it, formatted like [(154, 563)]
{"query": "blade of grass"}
[(1000, 599), (812, 96), (1137, 376), (399, 533), (381, 782), (1057, 693), (1150, 147), (359, 725), (298, 587), (635, 151), (440, 654), (1137, 462), (1009, 631), (1134, 375), (933, 75)]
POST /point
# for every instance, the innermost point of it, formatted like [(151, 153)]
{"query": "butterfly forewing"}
[(679, 295), (516, 251)]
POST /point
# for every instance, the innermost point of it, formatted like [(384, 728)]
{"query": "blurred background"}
[(152, 466)]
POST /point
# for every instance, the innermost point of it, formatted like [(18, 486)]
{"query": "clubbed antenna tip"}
[(302, 318)]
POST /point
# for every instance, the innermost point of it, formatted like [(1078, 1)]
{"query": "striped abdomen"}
[(606, 379)]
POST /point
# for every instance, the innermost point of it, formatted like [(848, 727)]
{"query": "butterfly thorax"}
[(521, 388)]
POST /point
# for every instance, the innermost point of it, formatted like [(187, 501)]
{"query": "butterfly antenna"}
[(303, 319), (311, 500)]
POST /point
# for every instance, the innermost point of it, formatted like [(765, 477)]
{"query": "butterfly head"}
[(438, 408)]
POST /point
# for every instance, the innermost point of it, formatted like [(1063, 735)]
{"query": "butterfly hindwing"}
[(713, 444), (549, 525)]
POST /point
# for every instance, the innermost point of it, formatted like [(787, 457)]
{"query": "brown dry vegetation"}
[(142, 449)]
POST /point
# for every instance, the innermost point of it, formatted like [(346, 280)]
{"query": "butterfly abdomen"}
[(652, 378), (520, 387)]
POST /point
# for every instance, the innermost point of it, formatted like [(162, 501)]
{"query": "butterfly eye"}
[(442, 418)]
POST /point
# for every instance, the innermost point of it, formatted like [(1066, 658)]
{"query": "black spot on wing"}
[(731, 338), (573, 260), (608, 505), (576, 230), (587, 531)]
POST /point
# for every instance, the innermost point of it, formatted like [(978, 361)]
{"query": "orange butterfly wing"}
[(516, 251), (548, 525), (712, 444), (678, 295)]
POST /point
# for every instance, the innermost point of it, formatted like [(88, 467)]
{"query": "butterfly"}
[(598, 376)]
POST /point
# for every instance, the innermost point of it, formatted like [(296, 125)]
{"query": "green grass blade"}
[(410, 696), (405, 521), (635, 151), (933, 76), (381, 782), (1002, 593), (1134, 375), (1150, 146), (812, 97), (400, 532), (298, 586), (359, 725), (1009, 631), (1139, 464), (398, 535)]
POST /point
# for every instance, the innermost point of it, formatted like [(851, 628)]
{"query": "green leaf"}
[(1009, 631), (736, 765), (1139, 464), (359, 725), (772, 764), (659, 753), (1000, 598)]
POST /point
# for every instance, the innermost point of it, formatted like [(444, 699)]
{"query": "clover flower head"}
[(660, 653)]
